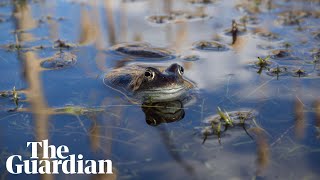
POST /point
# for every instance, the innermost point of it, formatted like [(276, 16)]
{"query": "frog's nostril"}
[(173, 68)]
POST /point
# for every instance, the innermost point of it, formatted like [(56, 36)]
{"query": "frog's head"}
[(149, 83)]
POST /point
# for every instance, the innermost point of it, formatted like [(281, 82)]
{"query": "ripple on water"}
[(143, 51), (277, 71), (60, 60), (210, 46), (299, 72)]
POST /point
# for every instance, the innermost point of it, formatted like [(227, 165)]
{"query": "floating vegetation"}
[(281, 54), (60, 60), (178, 13), (275, 70), (316, 35), (143, 50), (265, 46), (191, 58), (60, 44), (292, 17), (278, 71), (77, 110), (176, 17), (14, 95), (250, 19), (236, 30), (286, 45), (16, 46), (262, 63), (39, 47), (202, 2), (249, 7), (299, 73), (208, 131), (196, 16), (316, 55), (46, 19), (210, 46), (266, 35), (314, 61), (160, 19), (225, 117), (219, 124)]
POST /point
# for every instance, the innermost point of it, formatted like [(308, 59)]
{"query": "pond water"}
[(255, 63)]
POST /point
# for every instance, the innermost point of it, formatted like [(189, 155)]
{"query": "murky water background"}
[(55, 52)]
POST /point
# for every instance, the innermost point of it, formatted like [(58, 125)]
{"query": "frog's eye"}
[(181, 70), (149, 74)]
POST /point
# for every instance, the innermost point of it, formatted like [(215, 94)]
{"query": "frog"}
[(149, 83)]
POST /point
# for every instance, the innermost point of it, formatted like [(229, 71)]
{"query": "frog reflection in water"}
[(163, 112), (149, 83)]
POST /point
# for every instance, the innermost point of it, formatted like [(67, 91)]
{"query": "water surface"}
[(55, 54)]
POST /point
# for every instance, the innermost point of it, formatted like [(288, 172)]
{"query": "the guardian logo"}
[(54, 160)]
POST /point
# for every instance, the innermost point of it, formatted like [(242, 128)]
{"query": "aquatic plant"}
[(60, 44), (59, 60), (15, 97), (277, 71), (234, 31), (225, 116), (13, 94), (210, 46), (299, 72), (77, 110), (217, 130), (262, 63)]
